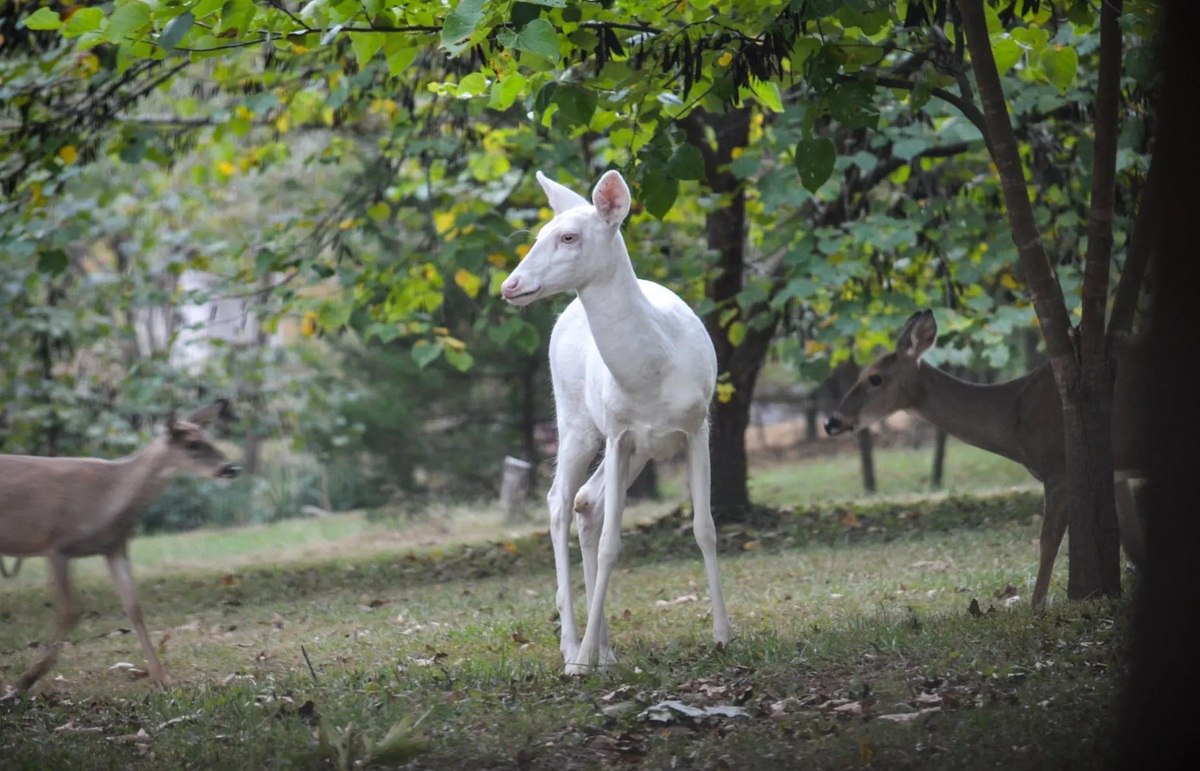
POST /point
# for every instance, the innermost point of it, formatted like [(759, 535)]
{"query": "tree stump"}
[(514, 488)]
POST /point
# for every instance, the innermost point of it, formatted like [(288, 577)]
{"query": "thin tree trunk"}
[(866, 457), (1086, 402), (939, 460)]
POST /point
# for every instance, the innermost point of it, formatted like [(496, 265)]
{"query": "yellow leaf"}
[(511, 548), (814, 347), (725, 392), (736, 152), (522, 250), (308, 325), (545, 214), (283, 123), (725, 59), (468, 281), (453, 343), (227, 168), (346, 224), (243, 112), (497, 259), (443, 221), (1008, 282), (68, 154), (89, 64)]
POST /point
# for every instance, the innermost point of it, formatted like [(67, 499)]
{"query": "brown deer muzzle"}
[(835, 426), (229, 471)]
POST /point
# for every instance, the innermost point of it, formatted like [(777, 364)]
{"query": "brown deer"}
[(62, 508), (1020, 419)]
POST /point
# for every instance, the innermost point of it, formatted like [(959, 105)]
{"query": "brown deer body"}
[(1020, 419), (62, 508)]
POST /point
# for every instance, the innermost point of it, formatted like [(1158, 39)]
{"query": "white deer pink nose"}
[(510, 288)]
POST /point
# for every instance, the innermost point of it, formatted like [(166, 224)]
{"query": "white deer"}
[(633, 368)]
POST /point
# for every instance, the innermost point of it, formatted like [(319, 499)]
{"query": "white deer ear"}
[(611, 198), (561, 197)]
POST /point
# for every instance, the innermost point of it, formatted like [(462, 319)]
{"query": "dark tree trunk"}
[(866, 457), (645, 485), (1158, 729), (739, 365), (1084, 383), (937, 473)]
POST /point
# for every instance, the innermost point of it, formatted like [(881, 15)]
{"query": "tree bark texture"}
[(1086, 399), (725, 232), (1158, 720)]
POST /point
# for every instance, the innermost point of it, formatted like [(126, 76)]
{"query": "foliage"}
[(370, 164)]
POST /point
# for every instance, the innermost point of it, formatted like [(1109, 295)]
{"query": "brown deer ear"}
[(918, 335), (210, 412)]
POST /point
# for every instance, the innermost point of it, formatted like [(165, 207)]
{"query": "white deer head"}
[(577, 245)]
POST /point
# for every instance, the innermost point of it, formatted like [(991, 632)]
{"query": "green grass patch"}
[(885, 633)]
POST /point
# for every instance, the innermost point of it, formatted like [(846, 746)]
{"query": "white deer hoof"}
[(586, 662)]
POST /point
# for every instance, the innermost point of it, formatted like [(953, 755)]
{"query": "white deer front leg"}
[(594, 650), (700, 481), (573, 457)]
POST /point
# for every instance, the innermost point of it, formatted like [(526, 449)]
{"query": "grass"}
[(346, 642)]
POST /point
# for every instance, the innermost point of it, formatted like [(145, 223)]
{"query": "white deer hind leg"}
[(700, 480)]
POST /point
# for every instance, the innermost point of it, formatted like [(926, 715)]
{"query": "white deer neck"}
[(624, 324)]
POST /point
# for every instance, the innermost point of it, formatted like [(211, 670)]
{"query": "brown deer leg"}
[(68, 614), (118, 568), (1129, 520), (1054, 527)]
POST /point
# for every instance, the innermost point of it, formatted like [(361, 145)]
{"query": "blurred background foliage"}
[(355, 179)]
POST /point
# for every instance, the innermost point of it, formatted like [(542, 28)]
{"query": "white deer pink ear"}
[(611, 198), (561, 197)]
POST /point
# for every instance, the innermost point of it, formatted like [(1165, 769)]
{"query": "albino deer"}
[(61, 508), (632, 368), (1020, 419)]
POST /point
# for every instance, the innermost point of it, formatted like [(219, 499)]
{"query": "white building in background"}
[(211, 311)]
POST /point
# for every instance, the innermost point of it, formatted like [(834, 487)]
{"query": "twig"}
[(311, 671)]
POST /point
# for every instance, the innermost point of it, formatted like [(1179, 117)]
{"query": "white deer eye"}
[(568, 238)]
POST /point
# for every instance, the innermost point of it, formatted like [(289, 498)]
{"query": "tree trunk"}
[(866, 457), (937, 474), (1158, 728), (1085, 397), (739, 365), (645, 484)]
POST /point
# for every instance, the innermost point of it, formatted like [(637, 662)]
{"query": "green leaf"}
[(506, 90), (334, 315), (659, 191), (576, 104), (814, 161), (82, 21), (365, 45), (1007, 52), (686, 162), (854, 106), (175, 30), (379, 211), (1060, 65), (264, 261), (736, 333), (907, 148), (460, 25), (537, 37), (460, 360), (424, 352), (126, 20), (52, 262), (767, 93), (398, 56), (43, 19)]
